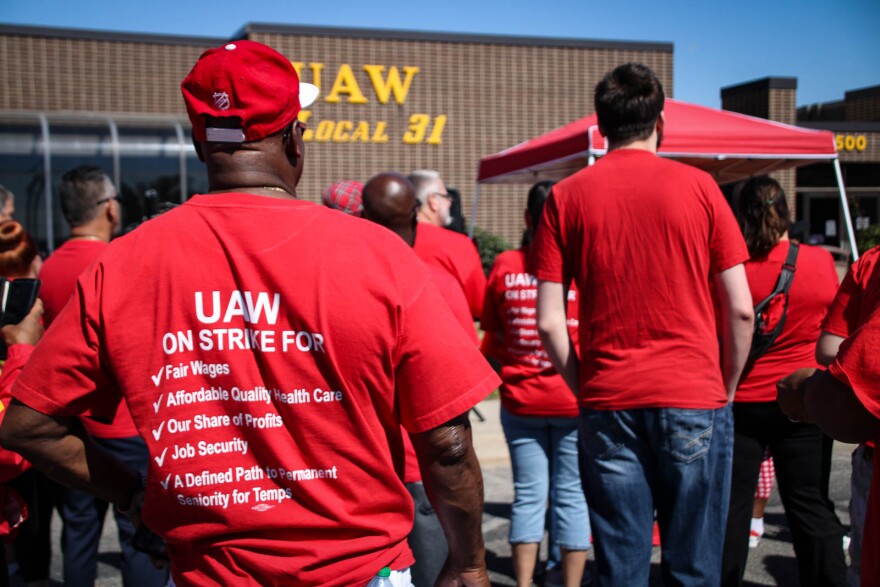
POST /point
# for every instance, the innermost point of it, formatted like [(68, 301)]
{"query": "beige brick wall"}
[(493, 96)]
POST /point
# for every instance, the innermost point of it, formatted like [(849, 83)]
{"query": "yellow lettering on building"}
[(379, 136), (324, 131), (347, 131), (384, 87), (436, 137), (851, 142), (418, 124), (316, 68), (361, 133), (346, 83), (342, 134)]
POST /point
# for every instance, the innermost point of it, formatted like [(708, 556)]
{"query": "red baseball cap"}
[(253, 87)]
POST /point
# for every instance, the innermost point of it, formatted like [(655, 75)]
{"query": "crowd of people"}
[(267, 391)]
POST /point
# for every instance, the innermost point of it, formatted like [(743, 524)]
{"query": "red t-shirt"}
[(58, 276), (451, 292), (642, 237), (457, 254), (269, 375), (812, 290), (858, 365), (530, 385), (11, 463), (454, 297), (859, 293)]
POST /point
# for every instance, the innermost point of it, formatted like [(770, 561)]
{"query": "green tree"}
[(489, 245)]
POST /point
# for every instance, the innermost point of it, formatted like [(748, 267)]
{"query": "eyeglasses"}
[(443, 195), (300, 126), (105, 200)]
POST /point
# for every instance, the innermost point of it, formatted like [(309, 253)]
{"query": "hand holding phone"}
[(29, 330), (17, 297)]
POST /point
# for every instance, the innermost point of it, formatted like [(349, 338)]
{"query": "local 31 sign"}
[(379, 83)]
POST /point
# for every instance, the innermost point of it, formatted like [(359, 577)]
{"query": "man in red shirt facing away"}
[(444, 248), (272, 411), (643, 238), (91, 207), (389, 200)]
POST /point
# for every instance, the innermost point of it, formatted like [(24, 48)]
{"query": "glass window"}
[(21, 171)]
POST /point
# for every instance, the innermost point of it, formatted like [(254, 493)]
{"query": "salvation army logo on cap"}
[(221, 99), (246, 90)]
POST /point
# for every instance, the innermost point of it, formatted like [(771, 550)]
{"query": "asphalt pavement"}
[(771, 563)]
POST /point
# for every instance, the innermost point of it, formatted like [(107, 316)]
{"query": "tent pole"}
[(849, 227), (473, 222)]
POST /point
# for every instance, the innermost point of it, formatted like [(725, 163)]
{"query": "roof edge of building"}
[(411, 35), (766, 83), (98, 35)]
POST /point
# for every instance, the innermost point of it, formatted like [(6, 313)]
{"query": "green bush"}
[(489, 245), (868, 238)]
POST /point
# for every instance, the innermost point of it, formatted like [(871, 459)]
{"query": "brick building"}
[(389, 101), (812, 190)]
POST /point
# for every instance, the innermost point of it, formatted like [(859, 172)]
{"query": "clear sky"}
[(830, 46)]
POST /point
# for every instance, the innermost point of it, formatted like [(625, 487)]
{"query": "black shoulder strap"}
[(786, 276)]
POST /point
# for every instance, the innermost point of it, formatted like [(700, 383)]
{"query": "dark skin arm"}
[(454, 484), (814, 396), (60, 448)]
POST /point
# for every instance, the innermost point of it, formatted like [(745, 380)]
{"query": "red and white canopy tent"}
[(729, 146)]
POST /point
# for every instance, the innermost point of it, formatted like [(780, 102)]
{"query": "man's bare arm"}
[(454, 484), (737, 323), (814, 396), (61, 449), (553, 328), (826, 348)]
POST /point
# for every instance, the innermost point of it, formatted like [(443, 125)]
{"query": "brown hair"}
[(762, 213), (17, 250)]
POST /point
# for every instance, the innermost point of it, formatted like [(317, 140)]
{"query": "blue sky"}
[(831, 47)]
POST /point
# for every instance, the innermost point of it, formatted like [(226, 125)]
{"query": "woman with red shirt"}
[(801, 452), (538, 413)]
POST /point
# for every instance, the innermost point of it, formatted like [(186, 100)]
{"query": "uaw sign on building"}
[(390, 100)]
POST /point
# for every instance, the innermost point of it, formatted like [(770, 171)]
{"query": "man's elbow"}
[(743, 317), (10, 435)]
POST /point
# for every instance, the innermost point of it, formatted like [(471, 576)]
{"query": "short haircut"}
[(628, 101), (5, 196), (762, 212), (422, 180), (17, 250), (81, 189), (538, 195)]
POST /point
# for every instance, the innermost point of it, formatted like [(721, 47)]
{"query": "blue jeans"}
[(544, 457), (677, 461), (83, 516)]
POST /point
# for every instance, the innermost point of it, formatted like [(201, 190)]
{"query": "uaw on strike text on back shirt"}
[(185, 415), (269, 379)]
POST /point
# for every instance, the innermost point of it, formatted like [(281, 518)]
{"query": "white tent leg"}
[(473, 222), (849, 226)]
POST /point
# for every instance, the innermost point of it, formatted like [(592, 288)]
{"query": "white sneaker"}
[(754, 539)]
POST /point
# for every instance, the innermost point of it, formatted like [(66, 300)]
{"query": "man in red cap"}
[(272, 413)]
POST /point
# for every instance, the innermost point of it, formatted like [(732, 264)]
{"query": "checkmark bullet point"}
[(158, 404), (164, 483), (157, 378), (158, 433), (161, 459)]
